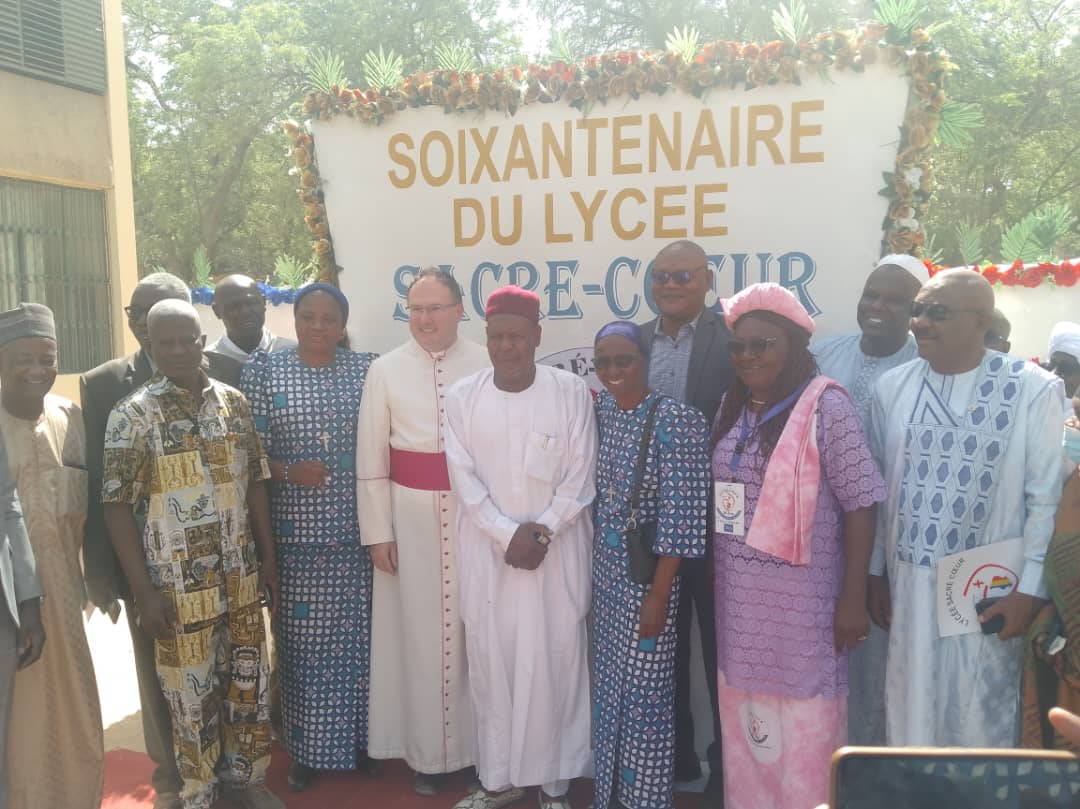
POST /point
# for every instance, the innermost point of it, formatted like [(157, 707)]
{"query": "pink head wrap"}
[(767, 297)]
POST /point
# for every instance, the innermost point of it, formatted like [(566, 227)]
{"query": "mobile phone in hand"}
[(994, 625)]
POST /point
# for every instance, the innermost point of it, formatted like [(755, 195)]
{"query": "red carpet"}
[(127, 786)]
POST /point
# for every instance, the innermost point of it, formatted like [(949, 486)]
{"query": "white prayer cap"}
[(914, 266), (1065, 337)]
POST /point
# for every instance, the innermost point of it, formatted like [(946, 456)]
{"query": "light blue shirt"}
[(841, 358), (669, 360)]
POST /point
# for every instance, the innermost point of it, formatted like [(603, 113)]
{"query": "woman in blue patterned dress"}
[(305, 402), (634, 624)]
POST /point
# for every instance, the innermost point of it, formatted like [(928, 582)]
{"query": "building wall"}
[(79, 139)]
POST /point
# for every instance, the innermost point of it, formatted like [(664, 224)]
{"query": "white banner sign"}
[(777, 183)]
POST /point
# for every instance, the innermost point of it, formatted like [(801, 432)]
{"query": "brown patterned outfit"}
[(185, 466)]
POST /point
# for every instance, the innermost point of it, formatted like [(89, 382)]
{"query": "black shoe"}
[(425, 784), (300, 776), (687, 768), (713, 797), (368, 766), (472, 780)]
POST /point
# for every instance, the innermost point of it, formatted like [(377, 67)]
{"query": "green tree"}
[(1020, 61), (208, 84), (591, 27)]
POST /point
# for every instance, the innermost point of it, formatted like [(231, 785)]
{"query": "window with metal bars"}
[(54, 250), (61, 41)]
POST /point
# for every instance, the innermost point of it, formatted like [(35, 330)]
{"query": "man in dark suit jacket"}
[(689, 361), (101, 388)]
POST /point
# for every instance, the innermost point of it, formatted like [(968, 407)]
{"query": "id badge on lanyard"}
[(729, 507), (729, 498)]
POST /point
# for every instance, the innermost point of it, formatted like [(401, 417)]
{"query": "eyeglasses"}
[(751, 347), (433, 309), (135, 312), (937, 312), (620, 361), (680, 277)]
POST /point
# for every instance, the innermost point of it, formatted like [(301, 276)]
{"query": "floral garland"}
[(599, 79), (275, 295), (1018, 274)]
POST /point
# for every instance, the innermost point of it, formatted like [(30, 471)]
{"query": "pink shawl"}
[(785, 528)]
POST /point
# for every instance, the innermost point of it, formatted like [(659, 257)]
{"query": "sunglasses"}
[(620, 361), (680, 277), (750, 347), (938, 312)]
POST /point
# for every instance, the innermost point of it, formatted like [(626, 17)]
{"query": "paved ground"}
[(114, 664)]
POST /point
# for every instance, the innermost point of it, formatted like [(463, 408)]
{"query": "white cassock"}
[(514, 458), (419, 706), (969, 460)]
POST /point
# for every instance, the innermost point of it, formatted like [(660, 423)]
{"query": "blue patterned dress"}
[(323, 627), (634, 680)]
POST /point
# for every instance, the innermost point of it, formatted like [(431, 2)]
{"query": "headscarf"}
[(914, 266), (623, 328), (1065, 337), (331, 290), (27, 320), (767, 297)]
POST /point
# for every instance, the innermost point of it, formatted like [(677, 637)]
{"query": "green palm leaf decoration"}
[(382, 70), (900, 15), (685, 42), (290, 272), (932, 250), (561, 50), (325, 71), (957, 120), (203, 266), (456, 58), (969, 242), (791, 22)]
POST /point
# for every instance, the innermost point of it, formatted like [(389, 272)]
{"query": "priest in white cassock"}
[(521, 447), (419, 708), (857, 361), (969, 441)]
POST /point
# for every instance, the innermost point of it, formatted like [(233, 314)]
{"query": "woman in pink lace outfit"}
[(791, 588)]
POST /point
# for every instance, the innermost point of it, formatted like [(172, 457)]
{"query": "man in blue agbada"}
[(969, 444)]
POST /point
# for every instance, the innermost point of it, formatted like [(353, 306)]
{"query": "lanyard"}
[(746, 432)]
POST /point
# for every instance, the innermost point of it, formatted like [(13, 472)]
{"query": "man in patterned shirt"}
[(188, 513)]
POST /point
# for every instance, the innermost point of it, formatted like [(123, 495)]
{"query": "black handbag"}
[(641, 536)]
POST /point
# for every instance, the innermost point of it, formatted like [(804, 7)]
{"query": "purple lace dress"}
[(774, 620)]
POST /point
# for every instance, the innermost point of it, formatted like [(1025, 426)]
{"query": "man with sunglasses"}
[(857, 361), (966, 439), (689, 361), (997, 336), (101, 388)]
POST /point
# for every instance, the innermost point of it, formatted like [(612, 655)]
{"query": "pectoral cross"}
[(611, 492), (324, 438)]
